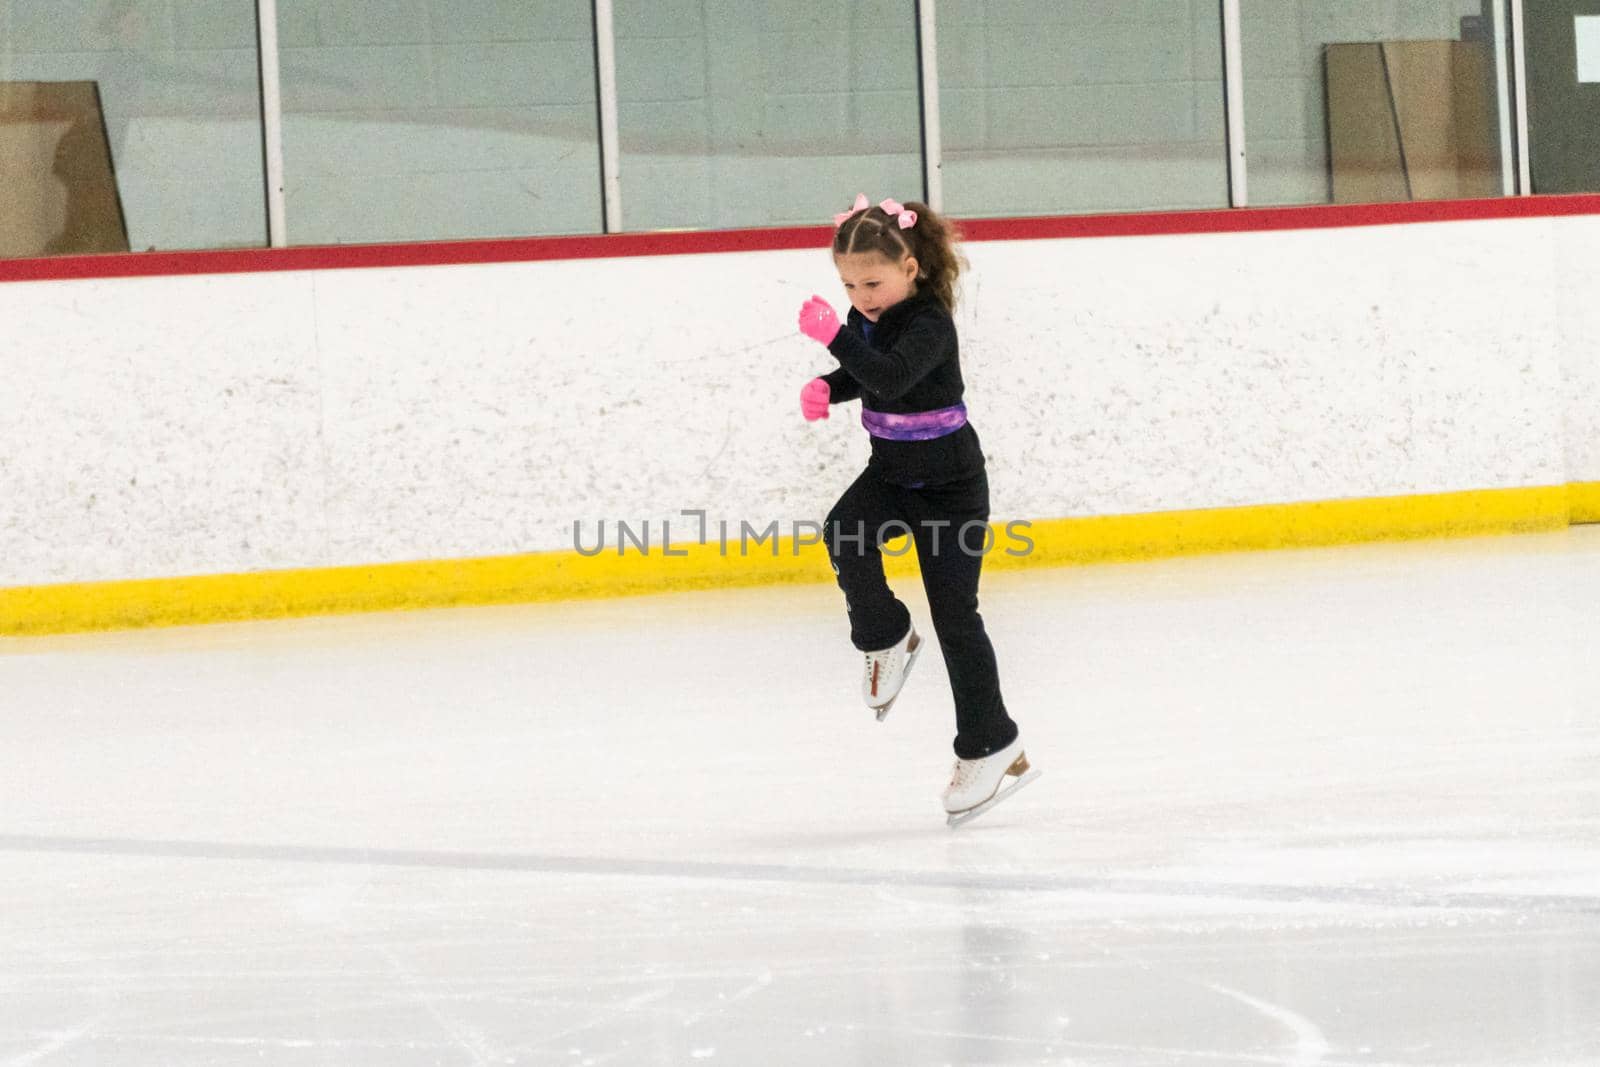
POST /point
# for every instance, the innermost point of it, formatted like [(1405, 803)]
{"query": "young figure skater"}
[(897, 353)]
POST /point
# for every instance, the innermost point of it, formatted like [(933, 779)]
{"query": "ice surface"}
[(1322, 807)]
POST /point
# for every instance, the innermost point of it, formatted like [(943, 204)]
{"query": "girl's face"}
[(874, 282)]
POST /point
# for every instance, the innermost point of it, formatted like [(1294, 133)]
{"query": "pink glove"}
[(814, 400), (818, 320)]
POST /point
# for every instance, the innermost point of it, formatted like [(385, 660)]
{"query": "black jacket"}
[(911, 364)]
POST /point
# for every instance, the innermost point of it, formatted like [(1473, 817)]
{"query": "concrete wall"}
[(214, 424), (1577, 316), (737, 114), (1052, 107), (419, 119)]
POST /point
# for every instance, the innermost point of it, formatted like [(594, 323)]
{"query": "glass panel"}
[(734, 113), (1061, 106), (1563, 48), (414, 120), (1369, 101), (176, 84)]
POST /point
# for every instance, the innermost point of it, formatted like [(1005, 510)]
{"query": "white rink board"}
[(172, 426), (1578, 316)]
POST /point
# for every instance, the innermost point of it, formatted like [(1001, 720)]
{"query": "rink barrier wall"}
[(1584, 502), (554, 576), (235, 418)]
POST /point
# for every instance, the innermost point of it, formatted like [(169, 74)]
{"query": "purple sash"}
[(921, 426)]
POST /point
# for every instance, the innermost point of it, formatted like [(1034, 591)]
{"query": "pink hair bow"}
[(896, 210), (893, 208), (860, 205)]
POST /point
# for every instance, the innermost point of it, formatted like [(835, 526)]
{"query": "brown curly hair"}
[(932, 240)]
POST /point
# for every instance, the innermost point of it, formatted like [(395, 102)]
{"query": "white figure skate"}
[(975, 784), (886, 672)]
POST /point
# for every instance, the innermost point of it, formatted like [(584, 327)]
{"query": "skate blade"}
[(911, 659), (962, 817)]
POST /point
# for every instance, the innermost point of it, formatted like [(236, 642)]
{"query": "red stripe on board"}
[(534, 249), (1246, 220)]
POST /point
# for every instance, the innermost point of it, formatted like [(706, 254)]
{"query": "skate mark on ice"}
[(467, 1039), (1310, 1045), (600, 866), (762, 981), (606, 1016), (57, 1041)]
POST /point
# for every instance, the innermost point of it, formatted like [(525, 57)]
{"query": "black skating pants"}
[(950, 554)]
